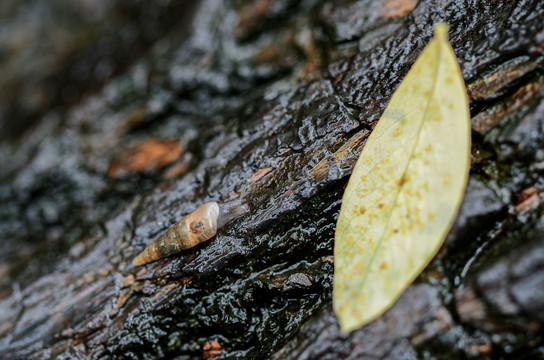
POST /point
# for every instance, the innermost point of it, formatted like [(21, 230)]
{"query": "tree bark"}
[(160, 108)]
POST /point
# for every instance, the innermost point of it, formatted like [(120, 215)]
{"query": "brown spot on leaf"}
[(403, 180)]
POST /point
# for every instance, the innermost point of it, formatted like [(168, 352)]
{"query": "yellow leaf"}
[(405, 189)]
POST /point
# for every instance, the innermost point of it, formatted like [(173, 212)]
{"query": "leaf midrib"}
[(380, 241)]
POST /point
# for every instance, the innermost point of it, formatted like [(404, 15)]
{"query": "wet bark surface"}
[(144, 112)]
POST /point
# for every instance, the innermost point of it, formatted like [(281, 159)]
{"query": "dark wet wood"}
[(268, 104)]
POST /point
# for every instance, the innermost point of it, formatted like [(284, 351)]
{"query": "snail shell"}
[(191, 230)]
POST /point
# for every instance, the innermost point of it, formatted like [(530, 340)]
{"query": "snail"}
[(194, 228)]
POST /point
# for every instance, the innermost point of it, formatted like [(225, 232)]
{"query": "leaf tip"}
[(441, 30), (349, 323)]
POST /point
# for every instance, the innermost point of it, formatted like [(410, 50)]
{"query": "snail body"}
[(193, 229)]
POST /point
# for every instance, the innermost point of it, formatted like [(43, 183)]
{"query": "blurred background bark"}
[(119, 117)]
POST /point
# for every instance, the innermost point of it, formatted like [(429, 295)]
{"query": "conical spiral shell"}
[(197, 227)]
